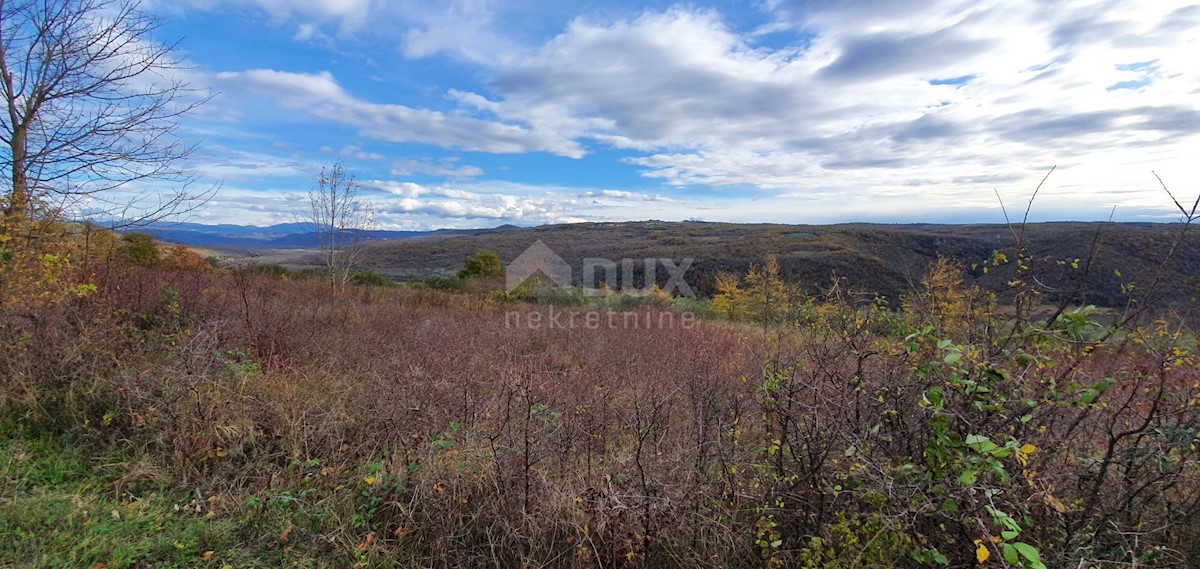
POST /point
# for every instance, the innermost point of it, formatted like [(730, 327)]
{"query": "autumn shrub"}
[(953, 309), (37, 267), (182, 258), (760, 296), (410, 426)]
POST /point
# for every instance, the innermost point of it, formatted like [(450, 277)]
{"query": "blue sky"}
[(477, 113)]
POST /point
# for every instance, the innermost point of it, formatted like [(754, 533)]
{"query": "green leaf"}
[(993, 375), (952, 358), (1027, 551), (1009, 534), (1010, 554), (980, 443), (975, 439), (999, 470), (934, 395), (968, 478)]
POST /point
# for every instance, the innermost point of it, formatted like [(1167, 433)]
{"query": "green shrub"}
[(368, 278), (139, 249), (306, 274), (697, 306), (621, 302), (481, 264), (273, 269), (444, 282), (560, 296)]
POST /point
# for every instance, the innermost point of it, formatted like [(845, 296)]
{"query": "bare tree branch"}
[(339, 219), (91, 105)]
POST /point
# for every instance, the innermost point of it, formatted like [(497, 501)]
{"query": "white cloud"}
[(625, 196), (844, 107), (446, 167), (461, 28), (216, 162), (347, 14), (950, 93), (356, 152), (320, 96), (489, 203), (480, 204)]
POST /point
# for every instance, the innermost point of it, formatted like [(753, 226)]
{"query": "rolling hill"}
[(281, 236), (884, 259)]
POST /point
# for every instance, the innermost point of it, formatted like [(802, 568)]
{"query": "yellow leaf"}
[(981, 552), (1024, 452), (370, 480), (206, 555), (1056, 504)]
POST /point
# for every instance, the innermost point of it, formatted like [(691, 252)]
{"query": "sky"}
[(476, 113)]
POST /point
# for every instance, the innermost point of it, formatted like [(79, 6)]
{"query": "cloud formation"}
[(307, 14), (319, 96), (845, 104), (950, 88)]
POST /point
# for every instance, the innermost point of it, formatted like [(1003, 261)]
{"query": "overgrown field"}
[(179, 417)]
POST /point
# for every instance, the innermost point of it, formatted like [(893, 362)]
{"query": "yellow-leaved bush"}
[(37, 269)]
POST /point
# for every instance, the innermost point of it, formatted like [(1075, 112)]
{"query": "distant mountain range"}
[(879, 258), (281, 236)]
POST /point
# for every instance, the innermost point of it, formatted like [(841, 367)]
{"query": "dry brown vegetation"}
[(410, 427)]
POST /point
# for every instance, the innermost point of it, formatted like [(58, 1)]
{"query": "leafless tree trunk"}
[(91, 103), (339, 218)]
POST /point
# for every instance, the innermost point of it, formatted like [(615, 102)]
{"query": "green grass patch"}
[(60, 508), (57, 510)]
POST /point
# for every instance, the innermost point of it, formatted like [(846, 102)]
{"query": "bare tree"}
[(339, 218), (90, 105)]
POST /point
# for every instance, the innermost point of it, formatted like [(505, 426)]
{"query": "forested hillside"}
[(884, 259)]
